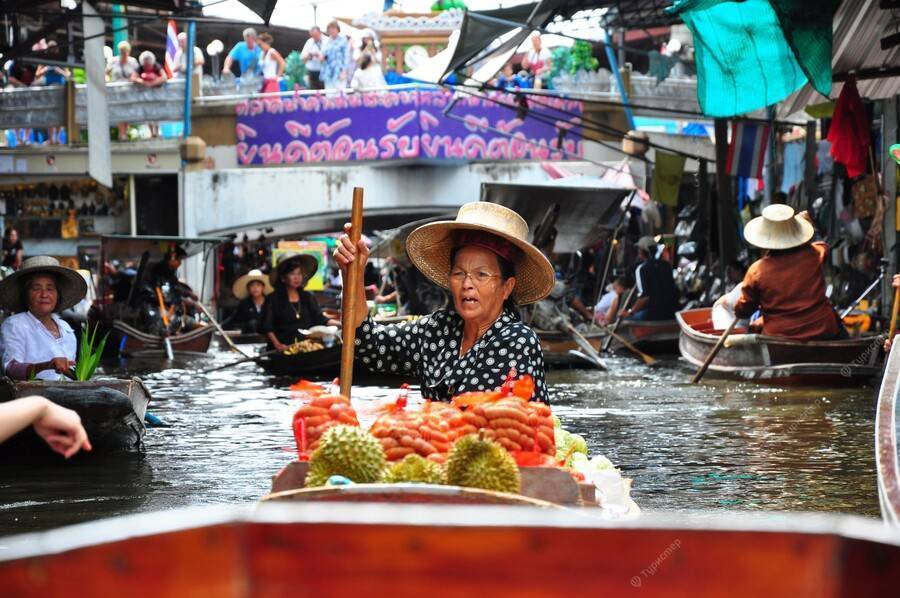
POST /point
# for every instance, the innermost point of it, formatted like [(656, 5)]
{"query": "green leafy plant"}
[(89, 353)]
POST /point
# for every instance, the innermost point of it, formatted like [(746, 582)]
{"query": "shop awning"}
[(131, 247)]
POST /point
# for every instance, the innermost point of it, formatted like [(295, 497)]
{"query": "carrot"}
[(310, 411), (501, 411), (438, 457), (475, 419), (441, 447), (546, 431), (545, 442), (348, 418), (509, 444), (388, 443), (316, 420), (408, 440), (395, 454), (423, 447), (327, 401)]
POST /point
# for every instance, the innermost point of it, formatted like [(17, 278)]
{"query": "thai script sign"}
[(407, 124)]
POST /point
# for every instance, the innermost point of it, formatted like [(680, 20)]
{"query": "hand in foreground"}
[(345, 252), (895, 282), (62, 430), (60, 364)]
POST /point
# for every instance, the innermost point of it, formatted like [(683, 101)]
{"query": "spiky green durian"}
[(348, 451), (414, 468), (476, 462)]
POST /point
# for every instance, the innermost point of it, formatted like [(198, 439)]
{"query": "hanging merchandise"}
[(865, 196), (747, 151), (850, 131), (793, 165), (755, 53), (667, 174)]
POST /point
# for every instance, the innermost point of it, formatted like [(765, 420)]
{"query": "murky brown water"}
[(720, 445)]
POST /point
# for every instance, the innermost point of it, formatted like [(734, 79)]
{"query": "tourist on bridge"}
[(36, 341), (272, 65), (787, 285), (484, 259), (657, 297), (312, 55), (368, 74), (336, 58), (246, 53), (290, 310), (181, 55), (122, 68), (251, 289), (538, 61)]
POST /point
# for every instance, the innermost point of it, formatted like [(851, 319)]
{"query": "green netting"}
[(754, 53)]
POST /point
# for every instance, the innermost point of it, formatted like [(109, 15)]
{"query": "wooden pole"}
[(714, 352), (723, 190), (350, 292), (895, 309), (648, 359)]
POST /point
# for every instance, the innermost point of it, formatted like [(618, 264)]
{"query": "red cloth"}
[(789, 289), (850, 131)]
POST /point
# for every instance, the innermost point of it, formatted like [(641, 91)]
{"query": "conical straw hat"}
[(778, 228), (239, 288), (71, 286), (429, 247)]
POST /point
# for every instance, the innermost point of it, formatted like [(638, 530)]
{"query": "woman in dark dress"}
[(290, 309), (252, 289)]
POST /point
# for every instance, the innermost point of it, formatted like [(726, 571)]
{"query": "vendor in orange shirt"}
[(787, 285)]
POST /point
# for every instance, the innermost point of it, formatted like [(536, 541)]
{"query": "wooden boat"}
[(886, 449), (132, 342), (344, 549), (244, 338), (322, 365), (759, 357), (112, 412), (654, 337), (561, 351)]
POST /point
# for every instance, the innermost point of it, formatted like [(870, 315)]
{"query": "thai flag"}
[(747, 151), (171, 48)]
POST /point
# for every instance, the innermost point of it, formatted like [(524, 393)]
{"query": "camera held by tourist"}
[(313, 54)]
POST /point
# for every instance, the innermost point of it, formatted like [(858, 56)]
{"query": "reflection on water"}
[(720, 445)]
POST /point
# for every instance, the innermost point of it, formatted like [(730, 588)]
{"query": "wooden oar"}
[(218, 328), (351, 289), (586, 346), (619, 318), (167, 342), (714, 352), (648, 359), (240, 361)]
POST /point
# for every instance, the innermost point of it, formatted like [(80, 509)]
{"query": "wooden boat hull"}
[(760, 357), (114, 421), (132, 342), (341, 549), (652, 337), (322, 365), (558, 346), (886, 449)]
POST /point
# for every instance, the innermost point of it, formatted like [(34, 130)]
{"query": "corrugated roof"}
[(859, 26)]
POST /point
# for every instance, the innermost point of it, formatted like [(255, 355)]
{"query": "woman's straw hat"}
[(71, 286), (239, 288), (429, 247), (287, 262), (778, 228)]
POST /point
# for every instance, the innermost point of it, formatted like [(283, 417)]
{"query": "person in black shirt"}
[(657, 298), (12, 249), (290, 309), (252, 289)]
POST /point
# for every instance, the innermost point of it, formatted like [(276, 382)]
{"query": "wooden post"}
[(809, 170), (704, 202), (350, 292), (723, 189), (890, 135), (71, 132)]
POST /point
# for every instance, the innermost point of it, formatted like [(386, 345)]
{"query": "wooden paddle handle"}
[(895, 309), (350, 292), (714, 352), (162, 307)]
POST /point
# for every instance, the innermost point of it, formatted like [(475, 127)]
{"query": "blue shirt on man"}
[(247, 59)]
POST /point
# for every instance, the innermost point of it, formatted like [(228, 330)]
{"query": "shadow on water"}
[(719, 445)]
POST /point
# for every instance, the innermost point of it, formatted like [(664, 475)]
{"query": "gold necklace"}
[(296, 309)]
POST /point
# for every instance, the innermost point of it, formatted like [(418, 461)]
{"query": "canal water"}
[(718, 445)]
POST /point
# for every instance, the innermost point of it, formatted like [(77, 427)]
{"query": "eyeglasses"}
[(479, 277)]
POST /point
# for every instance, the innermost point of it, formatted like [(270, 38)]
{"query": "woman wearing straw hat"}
[(289, 309), (484, 259), (787, 284), (252, 289), (36, 341)]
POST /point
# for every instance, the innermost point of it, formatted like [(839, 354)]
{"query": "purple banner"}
[(404, 125)]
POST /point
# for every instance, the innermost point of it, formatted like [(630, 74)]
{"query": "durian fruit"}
[(348, 451), (414, 468), (476, 462)]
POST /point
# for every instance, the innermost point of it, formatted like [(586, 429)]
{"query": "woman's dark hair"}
[(507, 271), (26, 282), (7, 233), (365, 60)]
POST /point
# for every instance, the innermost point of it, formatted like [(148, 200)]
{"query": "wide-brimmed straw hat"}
[(240, 290), (429, 247), (287, 262), (778, 228), (71, 286)]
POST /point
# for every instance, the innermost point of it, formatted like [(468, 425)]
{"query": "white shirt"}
[(538, 60), (269, 66), (122, 72), (366, 78), (180, 65), (26, 340), (604, 304), (312, 47)]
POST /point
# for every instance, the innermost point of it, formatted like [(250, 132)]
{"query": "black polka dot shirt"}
[(429, 349)]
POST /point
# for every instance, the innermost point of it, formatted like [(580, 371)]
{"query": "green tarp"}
[(754, 53)]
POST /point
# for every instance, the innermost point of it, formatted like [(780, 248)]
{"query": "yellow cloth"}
[(667, 174), (69, 229)]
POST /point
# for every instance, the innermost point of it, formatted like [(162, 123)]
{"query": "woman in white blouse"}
[(36, 341)]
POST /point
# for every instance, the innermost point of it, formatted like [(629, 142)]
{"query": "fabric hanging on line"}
[(824, 161), (755, 53), (850, 131), (667, 174), (794, 161), (747, 151)]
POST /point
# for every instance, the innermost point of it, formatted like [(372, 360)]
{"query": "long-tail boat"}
[(750, 356), (111, 410), (344, 549)]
